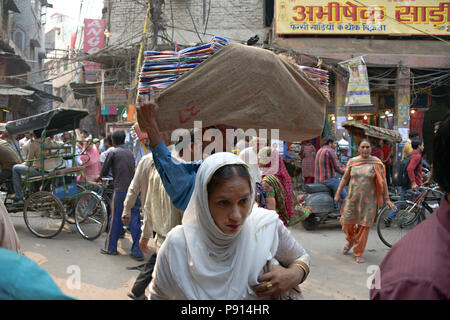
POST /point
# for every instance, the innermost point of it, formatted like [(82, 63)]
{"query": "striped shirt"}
[(326, 164)]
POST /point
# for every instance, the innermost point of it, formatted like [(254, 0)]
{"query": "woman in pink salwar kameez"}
[(91, 161)]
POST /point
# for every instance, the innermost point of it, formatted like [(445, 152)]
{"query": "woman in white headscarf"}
[(227, 247)]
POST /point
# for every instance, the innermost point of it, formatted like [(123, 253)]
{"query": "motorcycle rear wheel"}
[(311, 223)]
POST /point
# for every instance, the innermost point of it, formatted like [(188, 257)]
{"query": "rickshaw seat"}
[(56, 173), (66, 171)]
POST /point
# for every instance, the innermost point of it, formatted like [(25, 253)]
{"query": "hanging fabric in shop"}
[(131, 116), (326, 128), (121, 110), (105, 110), (358, 92), (113, 110), (99, 117)]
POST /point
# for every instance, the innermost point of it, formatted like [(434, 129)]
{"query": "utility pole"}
[(132, 95), (156, 12)]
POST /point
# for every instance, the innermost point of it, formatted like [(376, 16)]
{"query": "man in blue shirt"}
[(178, 178)]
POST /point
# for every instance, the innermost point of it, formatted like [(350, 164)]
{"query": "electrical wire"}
[(79, 59), (193, 22), (171, 17), (130, 20), (207, 18), (232, 15)]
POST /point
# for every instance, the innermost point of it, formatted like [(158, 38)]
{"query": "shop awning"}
[(11, 6), (44, 95), (84, 90), (412, 54), (8, 90), (15, 64)]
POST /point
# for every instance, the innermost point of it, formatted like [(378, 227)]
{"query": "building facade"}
[(404, 47), (23, 79), (187, 22), (61, 66)]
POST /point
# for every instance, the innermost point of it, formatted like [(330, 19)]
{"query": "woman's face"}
[(365, 149), (229, 203)]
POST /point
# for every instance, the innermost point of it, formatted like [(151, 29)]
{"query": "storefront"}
[(399, 68)]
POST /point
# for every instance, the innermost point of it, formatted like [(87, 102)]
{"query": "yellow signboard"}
[(399, 17)]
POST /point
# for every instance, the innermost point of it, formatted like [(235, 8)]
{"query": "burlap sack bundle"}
[(245, 87)]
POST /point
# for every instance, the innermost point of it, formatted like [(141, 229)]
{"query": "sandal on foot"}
[(103, 251), (360, 260), (347, 248)]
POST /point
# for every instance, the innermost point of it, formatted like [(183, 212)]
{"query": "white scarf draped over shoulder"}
[(212, 264)]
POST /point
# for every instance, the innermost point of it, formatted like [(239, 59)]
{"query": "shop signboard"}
[(111, 127), (93, 42), (374, 17)]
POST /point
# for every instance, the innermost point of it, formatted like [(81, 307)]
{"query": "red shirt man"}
[(415, 164), (386, 153)]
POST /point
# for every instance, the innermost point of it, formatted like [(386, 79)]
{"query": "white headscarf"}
[(223, 266)]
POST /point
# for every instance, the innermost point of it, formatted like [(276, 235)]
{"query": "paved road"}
[(69, 257)]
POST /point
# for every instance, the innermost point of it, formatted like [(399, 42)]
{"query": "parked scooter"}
[(320, 199)]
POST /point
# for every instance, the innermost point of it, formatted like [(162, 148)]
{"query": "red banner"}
[(94, 30)]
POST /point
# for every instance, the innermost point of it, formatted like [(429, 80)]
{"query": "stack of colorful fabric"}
[(320, 77), (161, 68)]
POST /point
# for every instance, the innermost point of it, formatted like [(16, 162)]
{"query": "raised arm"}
[(178, 177), (147, 112)]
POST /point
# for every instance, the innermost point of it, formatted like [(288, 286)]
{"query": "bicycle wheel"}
[(44, 214), (404, 220), (90, 215), (69, 205)]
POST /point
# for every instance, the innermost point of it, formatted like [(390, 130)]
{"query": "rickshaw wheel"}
[(44, 214), (70, 207), (90, 215)]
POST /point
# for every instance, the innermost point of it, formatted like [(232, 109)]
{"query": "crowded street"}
[(107, 278), (216, 151)]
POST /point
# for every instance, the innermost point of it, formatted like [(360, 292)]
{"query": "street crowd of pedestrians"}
[(219, 224)]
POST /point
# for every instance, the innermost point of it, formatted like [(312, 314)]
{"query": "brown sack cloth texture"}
[(245, 87)]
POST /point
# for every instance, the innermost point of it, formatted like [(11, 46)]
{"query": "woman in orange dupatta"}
[(366, 175)]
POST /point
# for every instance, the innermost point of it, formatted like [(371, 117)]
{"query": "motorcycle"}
[(320, 199)]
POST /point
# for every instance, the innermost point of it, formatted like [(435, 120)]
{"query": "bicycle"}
[(409, 214), (92, 208)]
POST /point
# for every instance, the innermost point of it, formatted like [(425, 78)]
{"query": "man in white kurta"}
[(160, 216)]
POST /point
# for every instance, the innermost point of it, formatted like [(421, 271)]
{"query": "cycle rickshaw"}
[(54, 197)]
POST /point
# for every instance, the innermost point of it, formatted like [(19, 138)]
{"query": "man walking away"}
[(326, 165), (160, 216), (121, 163)]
